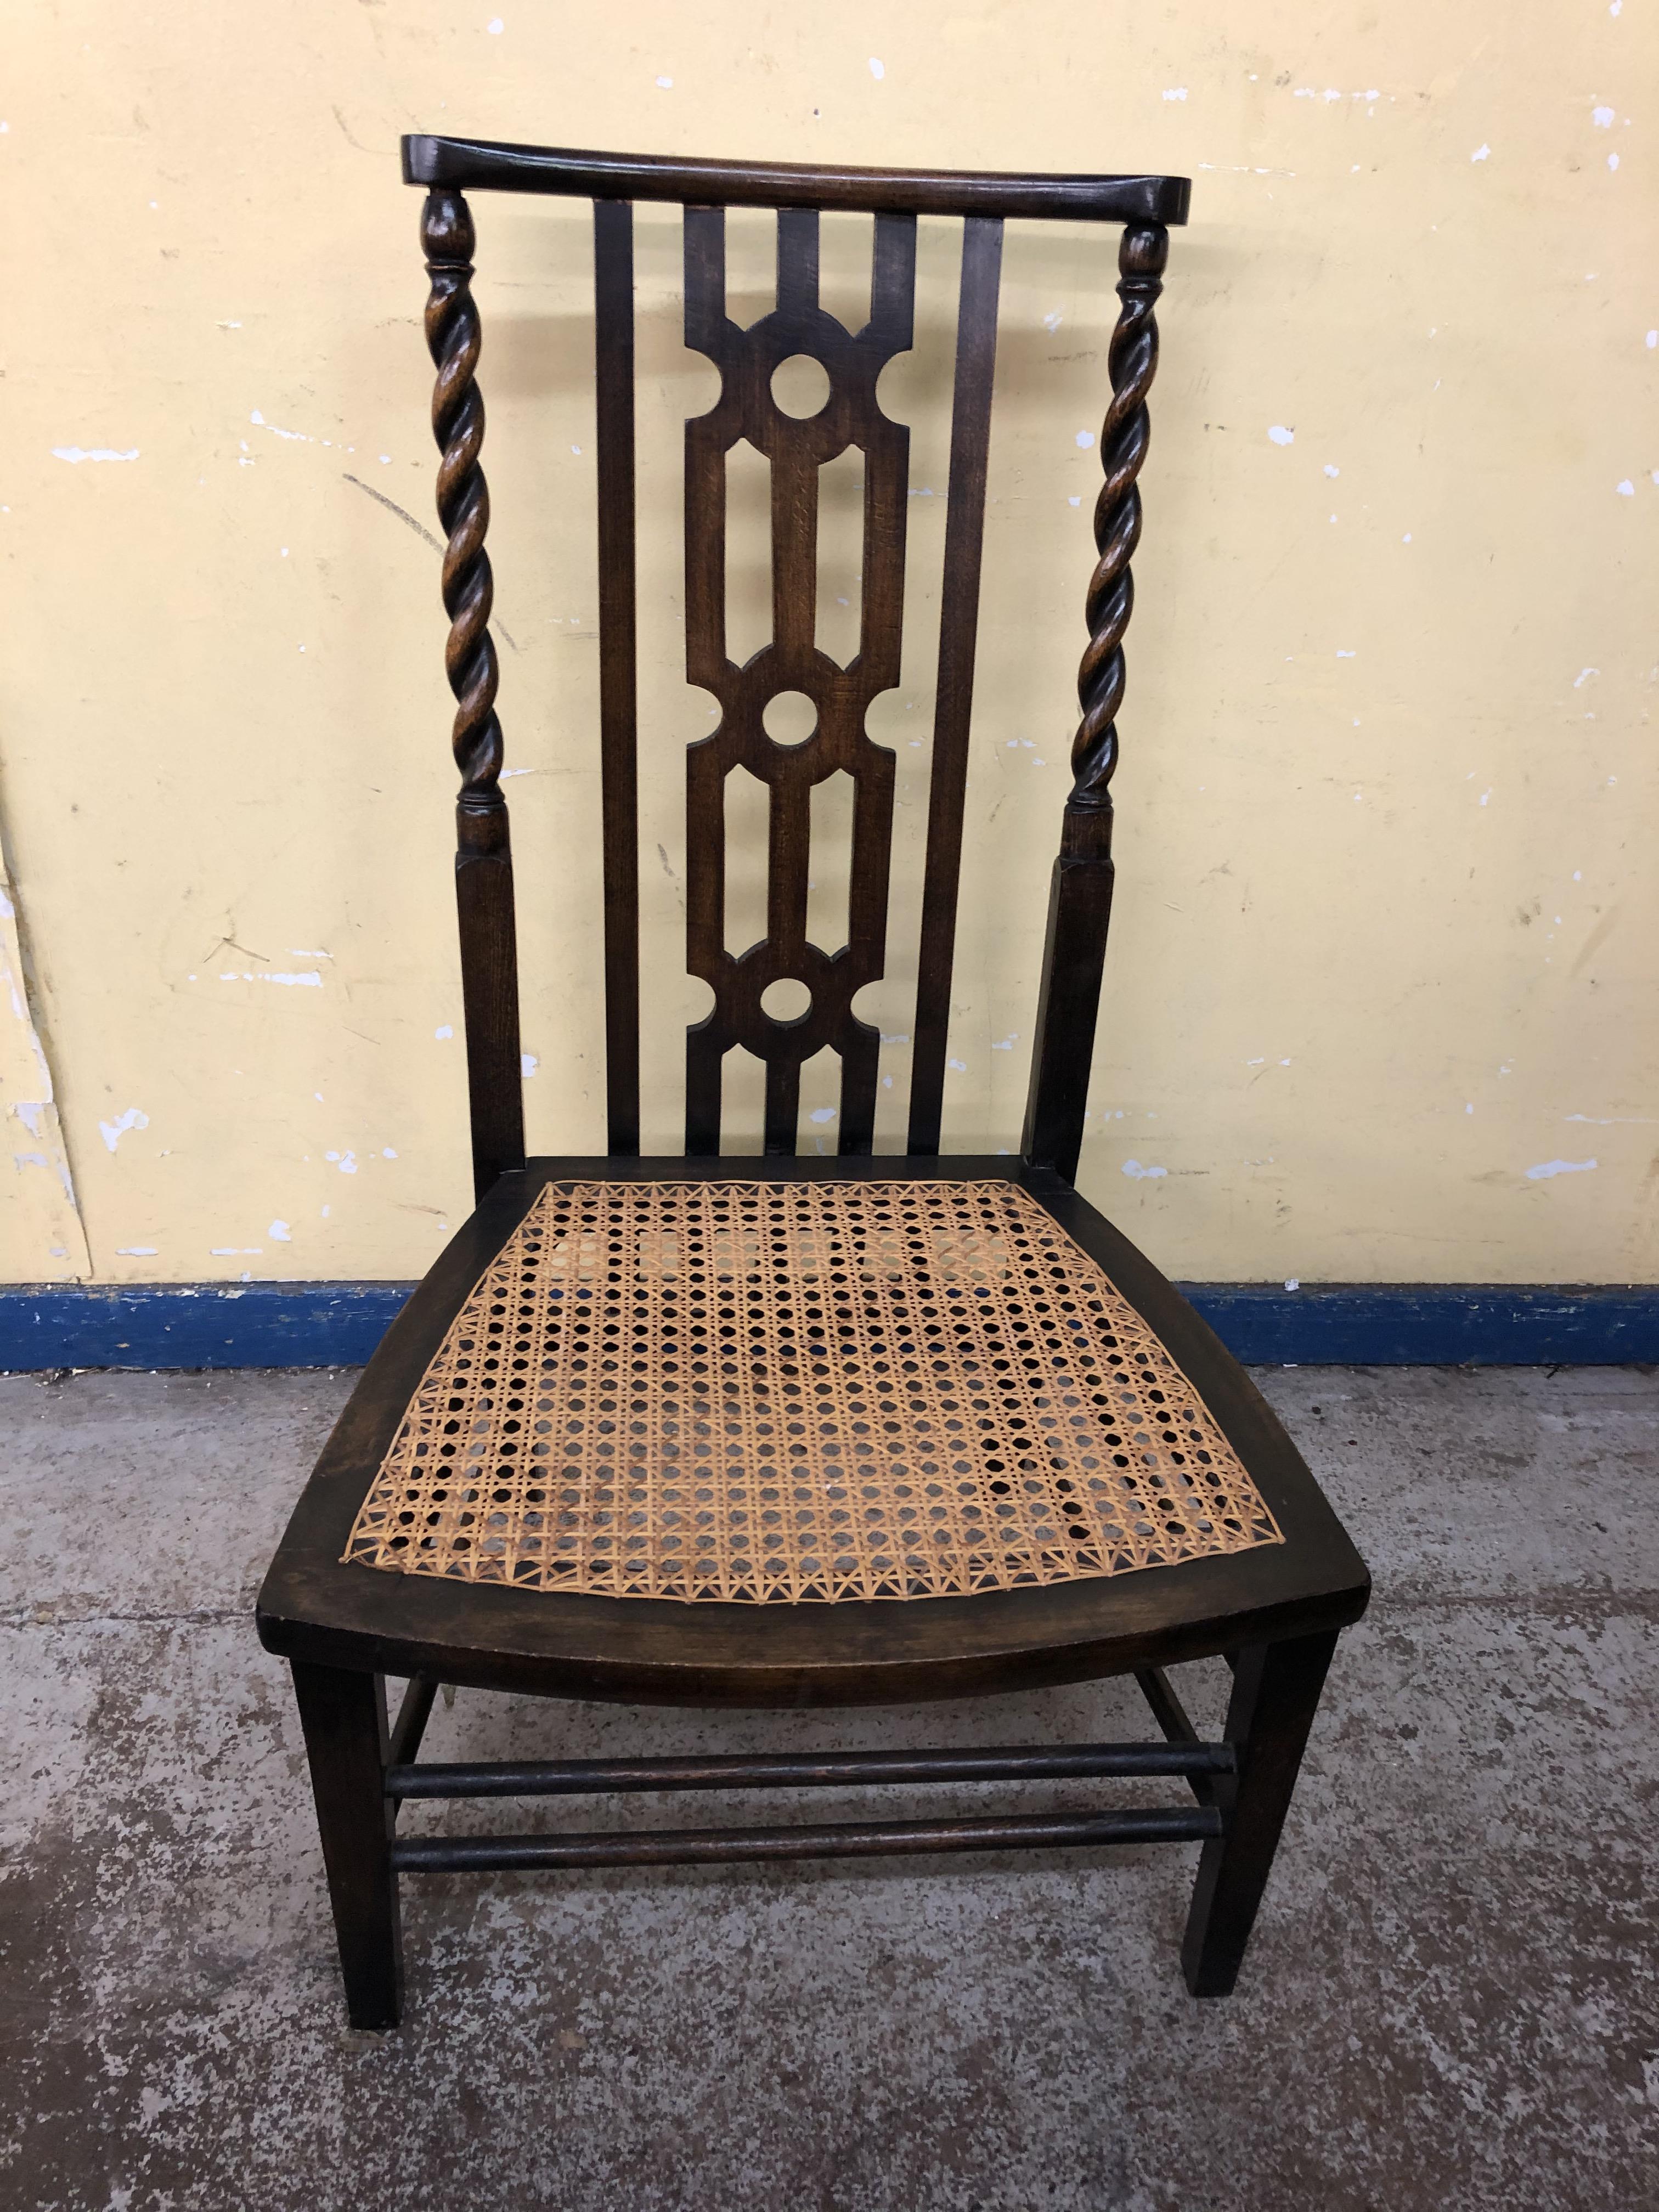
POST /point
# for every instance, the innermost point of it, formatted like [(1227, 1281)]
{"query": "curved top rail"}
[(479, 163)]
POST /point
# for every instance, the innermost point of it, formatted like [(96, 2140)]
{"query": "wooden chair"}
[(793, 1431)]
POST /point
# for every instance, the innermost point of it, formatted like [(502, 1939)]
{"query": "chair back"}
[(840, 694)]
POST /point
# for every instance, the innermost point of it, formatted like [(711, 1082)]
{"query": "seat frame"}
[(1273, 1613)]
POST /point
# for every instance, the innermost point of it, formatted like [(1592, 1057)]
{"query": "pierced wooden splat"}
[(796, 448)]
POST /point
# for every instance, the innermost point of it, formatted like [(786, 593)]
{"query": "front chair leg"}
[(1275, 1695), (344, 1716)]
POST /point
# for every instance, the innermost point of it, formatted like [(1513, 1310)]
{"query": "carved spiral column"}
[(1080, 894), (1133, 363), (453, 338), (483, 861)]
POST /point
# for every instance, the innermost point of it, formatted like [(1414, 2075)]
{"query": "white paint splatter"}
[(821, 1114), (1613, 160), (1012, 1038), (1293, 1282), (1627, 489), (386, 1152), (898, 1036), (877, 68), (1602, 117), (137, 1251), (279, 1232), (91, 454), (665, 84), (1332, 470), (494, 27), (1559, 1167), (1281, 436), (296, 437), (114, 1131), (1579, 680), (528, 1063), (960, 1066), (443, 1031), (310, 980), (1133, 1170), (1052, 320), (1085, 439), (1481, 154), (1176, 92), (1652, 340)]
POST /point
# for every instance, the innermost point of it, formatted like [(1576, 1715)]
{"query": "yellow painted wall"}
[(1382, 969)]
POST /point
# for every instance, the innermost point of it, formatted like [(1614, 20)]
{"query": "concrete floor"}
[(1450, 2002)]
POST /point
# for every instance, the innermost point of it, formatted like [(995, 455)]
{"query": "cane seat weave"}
[(799, 1392)]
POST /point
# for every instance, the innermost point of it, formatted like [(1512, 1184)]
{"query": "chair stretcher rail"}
[(1010, 1763), (1028, 1831)]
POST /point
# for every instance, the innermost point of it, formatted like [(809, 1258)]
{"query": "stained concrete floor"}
[(1449, 2001)]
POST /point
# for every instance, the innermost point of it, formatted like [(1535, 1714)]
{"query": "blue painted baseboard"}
[(1433, 1324), (1322, 1324)]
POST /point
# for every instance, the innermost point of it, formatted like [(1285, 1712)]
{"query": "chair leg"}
[(344, 1716), (1275, 1694)]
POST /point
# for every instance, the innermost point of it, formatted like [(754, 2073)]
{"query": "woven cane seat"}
[(800, 1392)]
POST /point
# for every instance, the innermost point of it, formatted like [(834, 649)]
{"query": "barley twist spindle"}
[(458, 423), (1081, 892), (484, 859), (1133, 363)]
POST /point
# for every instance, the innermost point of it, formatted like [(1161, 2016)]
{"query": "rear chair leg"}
[(1276, 1690), (344, 1716)]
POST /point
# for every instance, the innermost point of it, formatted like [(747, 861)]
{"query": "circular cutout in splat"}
[(789, 717), (786, 1000), (800, 386)]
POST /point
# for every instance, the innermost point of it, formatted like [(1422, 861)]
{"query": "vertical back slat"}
[(613, 361), (964, 534), (706, 328)]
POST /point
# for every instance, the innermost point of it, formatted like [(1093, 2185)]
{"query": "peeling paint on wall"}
[(48, 1230)]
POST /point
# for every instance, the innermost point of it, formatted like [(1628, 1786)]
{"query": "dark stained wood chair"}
[(795, 1431)]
